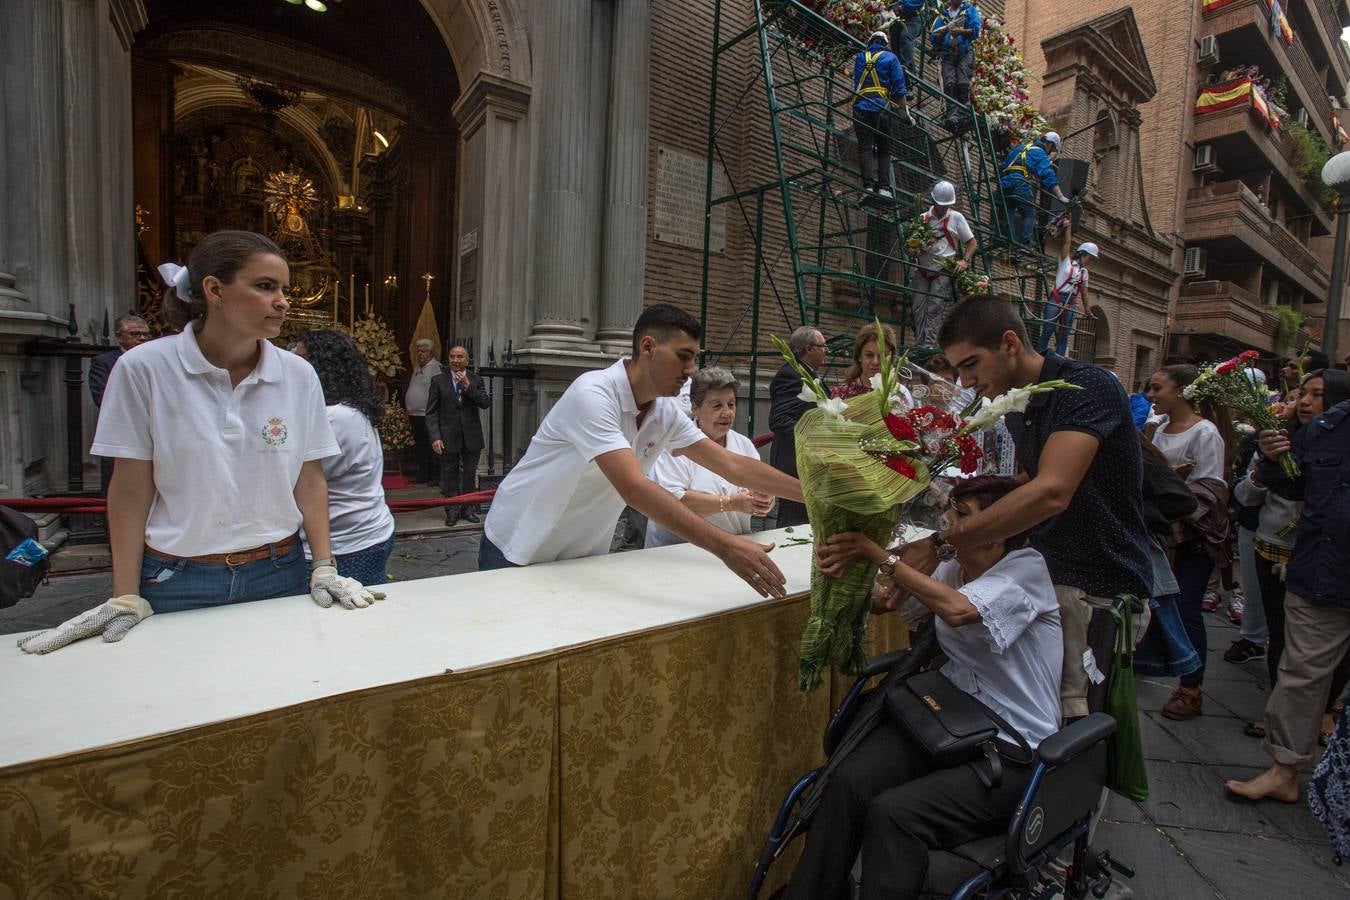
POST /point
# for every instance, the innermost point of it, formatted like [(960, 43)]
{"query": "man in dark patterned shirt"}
[(1083, 475)]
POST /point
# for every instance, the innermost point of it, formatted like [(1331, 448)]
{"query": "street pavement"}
[(1187, 841)]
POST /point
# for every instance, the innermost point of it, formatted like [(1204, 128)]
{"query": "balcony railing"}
[(1224, 308)]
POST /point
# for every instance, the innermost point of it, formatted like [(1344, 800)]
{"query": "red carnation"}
[(901, 465), (900, 428), (1249, 354), (1226, 368)]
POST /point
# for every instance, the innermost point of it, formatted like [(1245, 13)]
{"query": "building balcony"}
[(1229, 222), (1224, 313), (1245, 38), (1328, 36), (1242, 144)]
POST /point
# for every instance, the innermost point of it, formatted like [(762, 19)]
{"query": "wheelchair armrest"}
[(1069, 742), (879, 665)]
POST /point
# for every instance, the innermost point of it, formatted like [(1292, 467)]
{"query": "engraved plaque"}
[(681, 185)]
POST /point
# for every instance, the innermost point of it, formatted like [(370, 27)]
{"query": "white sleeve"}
[(1246, 493), (1206, 449), (342, 426), (319, 439), (589, 419), (1005, 609), (672, 474), (683, 433), (125, 417), (962, 229)]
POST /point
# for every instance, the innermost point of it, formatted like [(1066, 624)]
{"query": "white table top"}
[(183, 670)]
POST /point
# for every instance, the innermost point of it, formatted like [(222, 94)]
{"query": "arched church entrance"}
[(330, 130)]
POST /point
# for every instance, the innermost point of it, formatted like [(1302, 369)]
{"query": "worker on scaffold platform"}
[(1024, 163), (878, 81)]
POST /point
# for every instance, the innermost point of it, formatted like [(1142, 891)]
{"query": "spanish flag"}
[(1286, 33), (1208, 6), (1230, 94)]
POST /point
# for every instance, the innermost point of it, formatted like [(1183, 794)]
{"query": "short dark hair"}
[(661, 320), (989, 489), (1335, 385), (982, 320), (1316, 359)]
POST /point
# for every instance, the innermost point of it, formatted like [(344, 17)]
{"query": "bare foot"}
[(1276, 783)]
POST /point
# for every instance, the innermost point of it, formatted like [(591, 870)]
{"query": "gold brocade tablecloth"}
[(644, 766)]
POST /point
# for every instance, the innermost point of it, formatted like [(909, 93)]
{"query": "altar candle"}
[(367, 299)]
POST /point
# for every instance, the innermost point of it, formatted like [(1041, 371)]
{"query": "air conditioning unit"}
[(1204, 160), (1193, 263), (1209, 51)]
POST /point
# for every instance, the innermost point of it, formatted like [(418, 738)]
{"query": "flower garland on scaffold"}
[(859, 461), (1226, 384), (999, 85)]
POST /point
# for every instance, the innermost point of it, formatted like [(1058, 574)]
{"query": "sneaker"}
[(1184, 704), (1235, 610), (1243, 650), (1211, 601), (885, 192)]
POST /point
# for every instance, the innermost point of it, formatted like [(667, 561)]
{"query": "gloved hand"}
[(909, 117), (112, 619), (326, 585)]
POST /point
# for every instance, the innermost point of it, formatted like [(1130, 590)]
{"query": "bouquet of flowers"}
[(1055, 227), (967, 281), (378, 345), (1226, 384), (860, 460), (919, 235), (395, 429)]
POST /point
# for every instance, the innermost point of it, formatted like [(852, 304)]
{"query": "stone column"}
[(565, 245), (625, 215)]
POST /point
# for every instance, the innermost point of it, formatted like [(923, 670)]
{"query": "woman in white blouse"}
[(1196, 448), (712, 402), (998, 625)]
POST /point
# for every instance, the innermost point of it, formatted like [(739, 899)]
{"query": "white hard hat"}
[(1089, 248), (1052, 137), (882, 36), (1255, 376), (944, 193)]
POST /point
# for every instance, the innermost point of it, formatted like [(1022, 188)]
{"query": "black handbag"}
[(952, 726)]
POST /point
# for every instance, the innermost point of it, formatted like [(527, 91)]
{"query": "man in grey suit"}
[(785, 408), (130, 331), (456, 430)]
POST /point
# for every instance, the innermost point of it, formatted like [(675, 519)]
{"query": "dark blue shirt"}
[(1098, 543), (1321, 557)]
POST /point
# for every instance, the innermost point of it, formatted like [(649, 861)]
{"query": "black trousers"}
[(874, 147), (888, 800), (459, 472), (425, 465), (790, 512)]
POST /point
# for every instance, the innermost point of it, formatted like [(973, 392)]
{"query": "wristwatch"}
[(887, 566)]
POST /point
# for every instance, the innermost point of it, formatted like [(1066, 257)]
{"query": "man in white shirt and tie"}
[(425, 368)]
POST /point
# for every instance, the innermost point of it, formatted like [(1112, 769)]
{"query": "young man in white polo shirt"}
[(592, 453)]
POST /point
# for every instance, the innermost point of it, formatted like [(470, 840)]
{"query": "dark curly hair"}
[(342, 372)]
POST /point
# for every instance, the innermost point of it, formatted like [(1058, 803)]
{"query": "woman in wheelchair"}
[(998, 625)]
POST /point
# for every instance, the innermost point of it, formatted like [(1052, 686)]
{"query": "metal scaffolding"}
[(827, 252)]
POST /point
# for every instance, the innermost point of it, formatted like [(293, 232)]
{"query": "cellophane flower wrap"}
[(861, 460), (1227, 384)]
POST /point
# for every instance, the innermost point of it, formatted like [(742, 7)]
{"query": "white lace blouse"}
[(1011, 659)]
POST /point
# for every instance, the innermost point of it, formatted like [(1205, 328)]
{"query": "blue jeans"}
[(1192, 566), (176, 585), (489, 557), (1058, 322), (368, 566), (1021, 217), (1166, 648)]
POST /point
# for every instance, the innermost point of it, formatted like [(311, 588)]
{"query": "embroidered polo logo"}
[(274, 432)]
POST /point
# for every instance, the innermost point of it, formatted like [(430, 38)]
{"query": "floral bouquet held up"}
[(860, 461), (1226, 384)]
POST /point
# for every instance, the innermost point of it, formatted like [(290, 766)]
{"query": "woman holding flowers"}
[(1195, 448), (866, 360), (998, 625)]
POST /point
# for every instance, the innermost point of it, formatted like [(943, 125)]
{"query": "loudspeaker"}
[(1073, 178)]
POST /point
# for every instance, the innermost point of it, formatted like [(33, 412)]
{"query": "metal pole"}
[(1333, 320)]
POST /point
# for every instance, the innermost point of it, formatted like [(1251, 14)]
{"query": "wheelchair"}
[(1056, 810)]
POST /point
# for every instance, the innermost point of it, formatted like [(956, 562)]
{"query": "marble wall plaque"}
[(681, 183)]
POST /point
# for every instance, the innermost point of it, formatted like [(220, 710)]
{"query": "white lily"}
[(875, 382), (808, 395), (834, 406)]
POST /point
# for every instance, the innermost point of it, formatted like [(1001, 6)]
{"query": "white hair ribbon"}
[(178, 278)]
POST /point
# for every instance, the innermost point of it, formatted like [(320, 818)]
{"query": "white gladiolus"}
[(807, 395), (835, 406), (875, 382)]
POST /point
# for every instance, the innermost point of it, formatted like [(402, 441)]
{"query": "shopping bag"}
[(1126, 774)]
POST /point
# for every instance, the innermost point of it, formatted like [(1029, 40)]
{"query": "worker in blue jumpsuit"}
[(953, 33), (878, 81), (1026, 165), (905, 30)]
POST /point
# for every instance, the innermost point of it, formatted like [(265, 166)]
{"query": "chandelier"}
[(271, 98)]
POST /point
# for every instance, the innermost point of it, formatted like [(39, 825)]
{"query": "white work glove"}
[(909, 117), (112, 619), (326, 585)]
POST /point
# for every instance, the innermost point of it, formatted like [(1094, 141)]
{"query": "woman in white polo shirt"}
[(218, 437), (361, 525), (712, 401)]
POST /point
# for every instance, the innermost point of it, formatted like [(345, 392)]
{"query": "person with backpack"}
[(878, 81)]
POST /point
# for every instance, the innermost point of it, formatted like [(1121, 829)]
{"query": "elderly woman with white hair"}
[(712, 401)]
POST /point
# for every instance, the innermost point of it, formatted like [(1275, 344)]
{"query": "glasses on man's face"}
[(137, 335)]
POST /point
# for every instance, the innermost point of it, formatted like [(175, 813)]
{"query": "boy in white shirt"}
[(592, 453)]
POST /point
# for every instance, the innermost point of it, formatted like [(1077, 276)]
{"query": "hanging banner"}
[(1219, 97), (1209, 6), (1279, 23)]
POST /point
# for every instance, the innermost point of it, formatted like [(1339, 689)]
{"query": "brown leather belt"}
[(238, 557)]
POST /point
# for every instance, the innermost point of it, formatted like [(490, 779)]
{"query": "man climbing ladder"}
[(878, 81)]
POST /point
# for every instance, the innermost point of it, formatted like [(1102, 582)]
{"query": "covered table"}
[(622, 726)]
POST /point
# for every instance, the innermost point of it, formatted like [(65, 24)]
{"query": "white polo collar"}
[(619, 371), (195, 363)]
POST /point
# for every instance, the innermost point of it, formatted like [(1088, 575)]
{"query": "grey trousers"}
[(928, 302), (1316, 638), (1253, 610)]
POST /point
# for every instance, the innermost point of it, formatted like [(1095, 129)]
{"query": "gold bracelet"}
[(721, 503)]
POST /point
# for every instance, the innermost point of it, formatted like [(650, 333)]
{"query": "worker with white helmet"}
[(878, 81), (930, 287), (1026, 166), (1068, 295)]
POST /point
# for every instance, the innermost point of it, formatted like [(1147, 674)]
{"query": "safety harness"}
[(873, 88), (935, 274), (1019, 164)]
